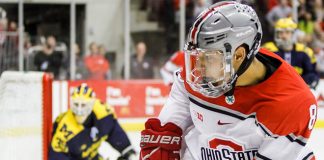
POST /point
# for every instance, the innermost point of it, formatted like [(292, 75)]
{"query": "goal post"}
[(25, 115)]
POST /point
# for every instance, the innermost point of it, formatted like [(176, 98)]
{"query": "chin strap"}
[(245, 64)]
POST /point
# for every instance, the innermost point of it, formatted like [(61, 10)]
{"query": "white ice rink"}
[(316, 142)]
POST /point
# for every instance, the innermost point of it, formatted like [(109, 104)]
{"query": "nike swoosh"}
[(221, 123)]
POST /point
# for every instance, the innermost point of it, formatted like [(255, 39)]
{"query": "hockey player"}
[(233, 100), (174, 63), (78, 133), (296, 54)]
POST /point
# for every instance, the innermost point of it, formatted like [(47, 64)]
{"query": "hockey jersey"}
[(269, 120), (72, 141)]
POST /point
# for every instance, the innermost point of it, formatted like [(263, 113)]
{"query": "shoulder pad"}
[(311, 54), (67, 128), (59, 118), (302, 48), (102, 110), (270, 46)]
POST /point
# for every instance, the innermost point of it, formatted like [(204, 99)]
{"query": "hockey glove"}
[(160, 142)]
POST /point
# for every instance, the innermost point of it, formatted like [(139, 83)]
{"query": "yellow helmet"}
[(82, 102), (285, 23), (84, 92)]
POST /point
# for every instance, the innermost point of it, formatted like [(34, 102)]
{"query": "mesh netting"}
[(21, 116)]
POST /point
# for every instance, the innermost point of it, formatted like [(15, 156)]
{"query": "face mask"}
[(81, 108), (208, 71)]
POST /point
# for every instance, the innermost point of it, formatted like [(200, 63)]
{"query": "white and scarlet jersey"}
[(174, 63), (269, 120)]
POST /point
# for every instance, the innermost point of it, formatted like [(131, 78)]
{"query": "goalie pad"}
[(160, 142)]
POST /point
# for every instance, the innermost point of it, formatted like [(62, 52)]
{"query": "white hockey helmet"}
[(215, 35)]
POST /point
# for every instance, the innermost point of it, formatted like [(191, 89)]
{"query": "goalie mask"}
[(284, 30), (82, 101), (215, 35)]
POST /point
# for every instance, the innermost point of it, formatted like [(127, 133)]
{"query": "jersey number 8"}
[(312, 115)]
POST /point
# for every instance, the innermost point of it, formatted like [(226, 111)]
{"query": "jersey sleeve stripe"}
[(291, 139), (311, 154), (262, 157), (216, 110), (264, 130)]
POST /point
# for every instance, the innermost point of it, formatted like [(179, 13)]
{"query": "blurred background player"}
[(174, 63), (78, 133), (296, 54)]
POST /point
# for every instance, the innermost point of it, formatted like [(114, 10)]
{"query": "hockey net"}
[(25, 115)]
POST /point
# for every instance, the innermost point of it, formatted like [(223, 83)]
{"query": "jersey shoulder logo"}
[(94, 133), (230, 99)]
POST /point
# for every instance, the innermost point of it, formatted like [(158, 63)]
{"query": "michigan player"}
[(78, 133), (296, 54)]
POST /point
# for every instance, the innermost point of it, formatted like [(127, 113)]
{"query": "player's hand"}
[(160, 142)]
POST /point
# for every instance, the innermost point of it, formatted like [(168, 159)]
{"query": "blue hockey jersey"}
[(73, 141)]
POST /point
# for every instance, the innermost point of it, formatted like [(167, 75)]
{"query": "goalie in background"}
[(296, 54), (78, 133)]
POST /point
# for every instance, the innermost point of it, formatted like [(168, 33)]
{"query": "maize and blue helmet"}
[(285, 25)]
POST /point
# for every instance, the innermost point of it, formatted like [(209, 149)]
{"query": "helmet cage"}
[(284, 44), (201, 67), (223, 85)]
